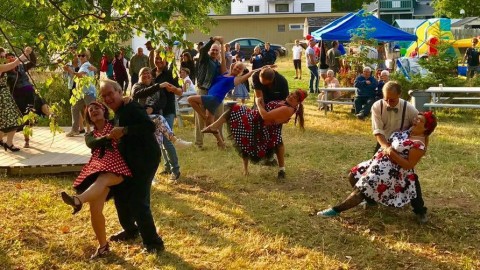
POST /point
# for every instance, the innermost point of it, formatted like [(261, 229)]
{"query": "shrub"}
[(55, 91)]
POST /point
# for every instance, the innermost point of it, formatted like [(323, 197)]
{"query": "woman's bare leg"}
[(97, 218), (10, 136), (354, 199), (245, 166), (352, 179), (196, 103), (102, 183), (221, 120)]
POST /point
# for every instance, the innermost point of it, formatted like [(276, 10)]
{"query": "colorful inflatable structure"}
[(429, 33)]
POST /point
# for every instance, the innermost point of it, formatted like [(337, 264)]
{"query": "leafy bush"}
[(55, 91)]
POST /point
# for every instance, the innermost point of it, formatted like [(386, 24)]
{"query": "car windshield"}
[(255, 42)]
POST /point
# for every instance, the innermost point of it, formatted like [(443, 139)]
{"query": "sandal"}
[(101, 252), (70, 200), (209, 130)]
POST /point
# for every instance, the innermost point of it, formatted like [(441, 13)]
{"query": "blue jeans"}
[(168, 150), (313, 77)]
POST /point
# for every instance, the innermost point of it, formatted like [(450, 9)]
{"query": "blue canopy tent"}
[(342, 29)]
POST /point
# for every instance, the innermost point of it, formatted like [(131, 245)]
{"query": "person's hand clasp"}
[(387, 151), (116, 133), (170, 88), (367, 82)]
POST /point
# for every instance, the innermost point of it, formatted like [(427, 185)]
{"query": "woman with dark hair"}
[(9, 112), (257, 133), (323, 66), (389, 177), (187, 62), (105, 169)]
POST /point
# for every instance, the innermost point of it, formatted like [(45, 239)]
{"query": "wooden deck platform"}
[(47, 154)]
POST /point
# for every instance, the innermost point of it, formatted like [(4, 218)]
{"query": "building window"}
[(396, 4), (253, 8), (295, 26), (281, 7), (281, 28), (308, 7)]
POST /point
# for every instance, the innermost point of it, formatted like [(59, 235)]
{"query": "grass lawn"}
[(216, 218)]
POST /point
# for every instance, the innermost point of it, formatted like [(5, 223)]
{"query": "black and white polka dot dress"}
[(252, 137)]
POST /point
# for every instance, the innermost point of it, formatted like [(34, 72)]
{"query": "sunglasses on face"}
[(81, 55)]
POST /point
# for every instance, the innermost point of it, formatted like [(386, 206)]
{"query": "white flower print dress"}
[(383, 180)]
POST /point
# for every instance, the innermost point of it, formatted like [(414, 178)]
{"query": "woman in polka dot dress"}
[(256, 133), (105, 169)]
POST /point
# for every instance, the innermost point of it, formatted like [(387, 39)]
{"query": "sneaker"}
[(281, 175), (422, 218), (72, 134), (179, 144), (328, 213), (123, 236), (81, 131), (174, 176)]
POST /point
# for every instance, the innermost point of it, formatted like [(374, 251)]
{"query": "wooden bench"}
[(182, 106), (341, 100), (437, 101)]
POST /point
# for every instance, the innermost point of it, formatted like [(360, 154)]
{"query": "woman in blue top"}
[(216, 94)]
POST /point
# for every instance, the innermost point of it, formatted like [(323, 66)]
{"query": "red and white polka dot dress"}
[(111, 161)]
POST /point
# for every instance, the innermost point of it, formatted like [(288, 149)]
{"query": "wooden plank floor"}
[(47, 153)]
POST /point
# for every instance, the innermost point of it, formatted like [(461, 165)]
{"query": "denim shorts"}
[(210, 103)]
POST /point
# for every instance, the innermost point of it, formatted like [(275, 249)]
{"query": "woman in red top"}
[(105, 169)]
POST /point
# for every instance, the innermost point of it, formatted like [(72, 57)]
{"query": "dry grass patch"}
[(215, 218)]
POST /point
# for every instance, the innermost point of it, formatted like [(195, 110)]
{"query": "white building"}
[(252, 7)]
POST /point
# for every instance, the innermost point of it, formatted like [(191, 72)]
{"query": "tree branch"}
[(54, 4)]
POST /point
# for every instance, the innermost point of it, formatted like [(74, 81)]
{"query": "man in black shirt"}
[(472, 57), (137, 144), (271, 85), (269, 56)]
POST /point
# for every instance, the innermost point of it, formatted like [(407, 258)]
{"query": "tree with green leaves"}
[(452, 8), (51, 26), (102, 26)]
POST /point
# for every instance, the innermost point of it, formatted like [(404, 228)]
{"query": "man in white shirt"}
[(297, 59), (389, 115)]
